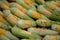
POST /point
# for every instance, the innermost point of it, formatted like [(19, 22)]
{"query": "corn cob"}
[(52, 37), (48, 14), (27, 4), (8, 34), (36, 15), (4, 21), (42, 31), (33, 14), (40, 1), (4, 26), (13, 4), (6, 2), (20, 14), (20, 23), (26, 24), (56, 27), (4, 38), (50, 6), (45, 22), (10, 17), (53, 7), (3, 5), (24, 34), (57, 3)]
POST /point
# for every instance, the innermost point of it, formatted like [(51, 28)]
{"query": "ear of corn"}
[(20, 14), (25, 23), (45, 22), (24, 34), (33, 14), (36, 15), (2, 20), (50, 6), (42, 31), (42, 10), (10, 17), (21, 2), (57, 3), (53, 7), (27, 4), (4, 26), (2, 4), (13, 4), (10, 36), (48, 14), (7, 34), (6, 2)]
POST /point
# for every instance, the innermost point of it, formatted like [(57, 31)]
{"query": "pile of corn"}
[(29, 20)]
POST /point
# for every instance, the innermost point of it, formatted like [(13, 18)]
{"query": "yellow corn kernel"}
[(52, 6), (21, 8), (19, 13), (29, 2), (12, 18), (4, 6), (36, 15), (28, 23), (2, 32), (46, 11), (57, 3), (1, 19), (53, 37)]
